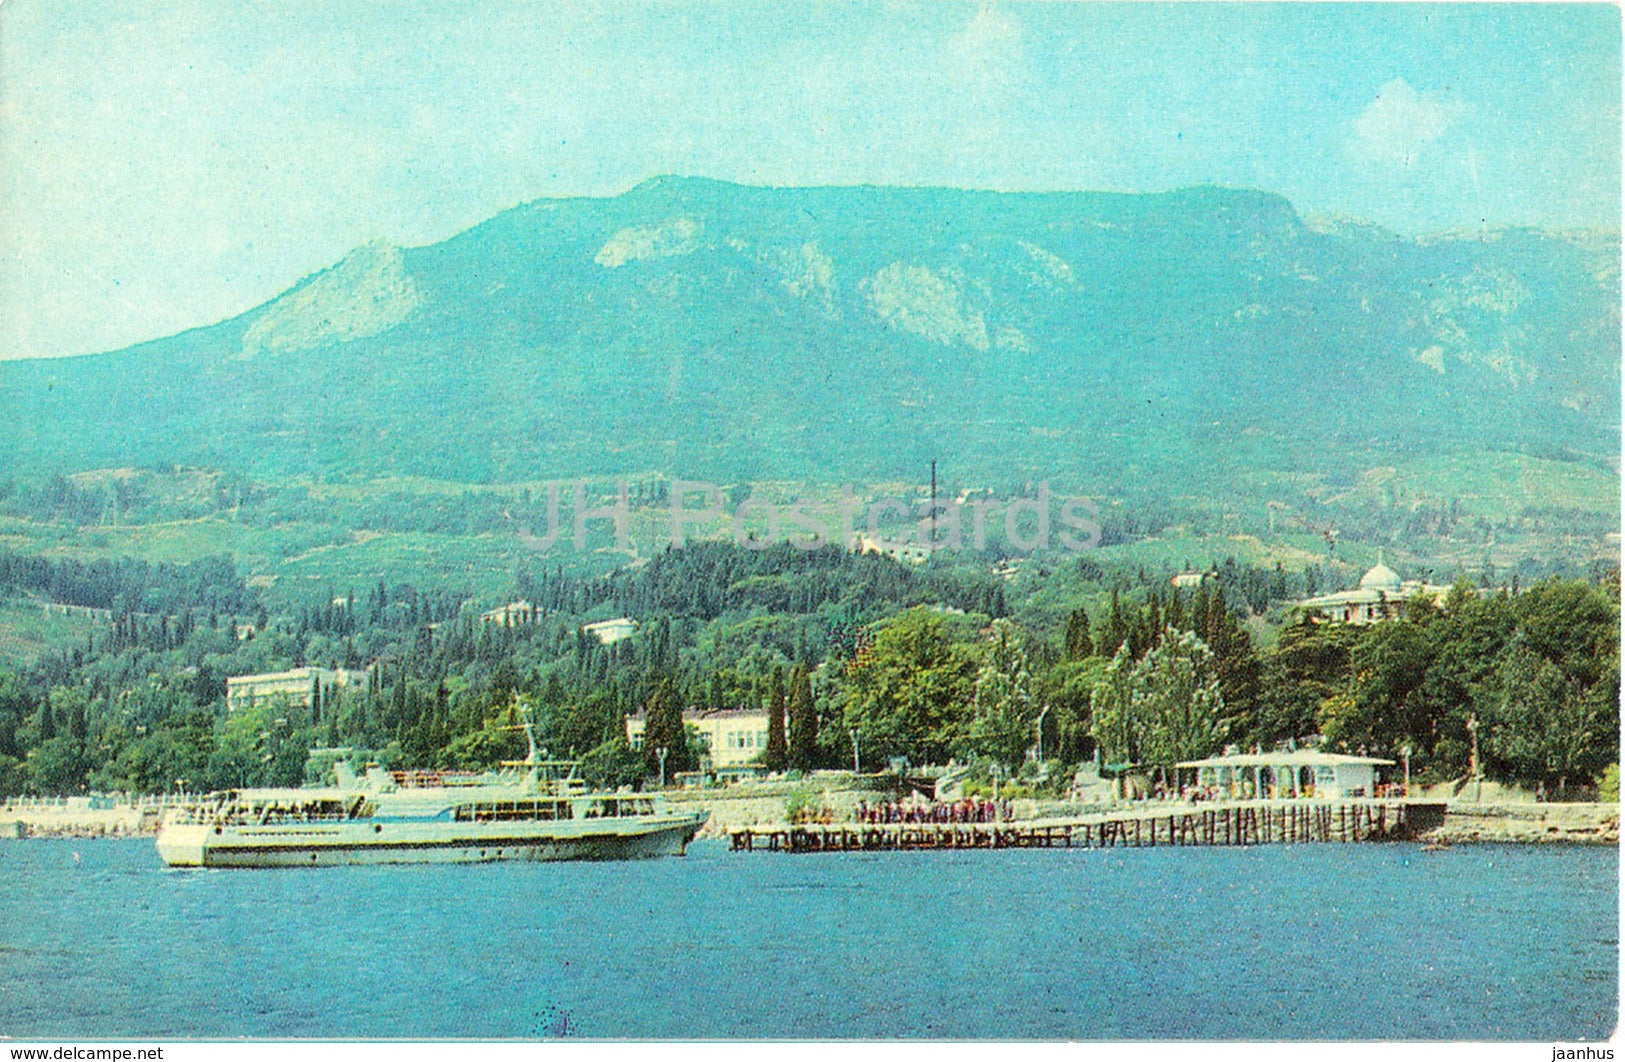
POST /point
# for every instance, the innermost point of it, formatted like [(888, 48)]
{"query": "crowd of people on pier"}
[(909, 811), (913, 811)]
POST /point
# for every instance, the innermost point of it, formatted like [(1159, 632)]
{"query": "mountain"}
[(1161, 342)]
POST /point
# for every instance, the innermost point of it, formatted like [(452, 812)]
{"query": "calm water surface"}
[(98, 939)]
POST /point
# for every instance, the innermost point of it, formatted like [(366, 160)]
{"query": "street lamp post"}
[(1405, 751), (856, 766), (1478, 784), (661, 754)]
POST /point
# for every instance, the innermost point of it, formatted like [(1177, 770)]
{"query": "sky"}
[(168, 165)]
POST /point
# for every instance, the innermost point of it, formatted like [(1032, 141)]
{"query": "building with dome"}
[(1380, 596)]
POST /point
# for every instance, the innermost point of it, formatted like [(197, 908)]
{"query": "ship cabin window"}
[(617, 808), (276, 811), (512, 811)]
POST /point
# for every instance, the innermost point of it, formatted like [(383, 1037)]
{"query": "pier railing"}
[(157, 801)]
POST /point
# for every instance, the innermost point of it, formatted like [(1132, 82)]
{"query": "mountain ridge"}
[(842, 332)]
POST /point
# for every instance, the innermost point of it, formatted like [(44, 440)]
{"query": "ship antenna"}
[(530, 735)]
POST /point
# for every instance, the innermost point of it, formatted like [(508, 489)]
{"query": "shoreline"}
[(1470, 823), (1465, 822)]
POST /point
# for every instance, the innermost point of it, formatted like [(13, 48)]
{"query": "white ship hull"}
[(363, 842)]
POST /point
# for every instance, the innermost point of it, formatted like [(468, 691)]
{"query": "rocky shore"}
[(77, 822), (1469, 823)]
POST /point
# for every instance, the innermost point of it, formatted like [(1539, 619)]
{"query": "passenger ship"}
[(534, 810)]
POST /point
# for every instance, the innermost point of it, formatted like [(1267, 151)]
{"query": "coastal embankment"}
[(74, 818), (734, 807), (1466, 823), (764, 804)]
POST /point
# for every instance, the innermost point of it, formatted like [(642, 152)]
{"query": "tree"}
[(583, 722), (480, 750), (777, 756), (57, 766), (1465, 643), (1115, 725), (1234, 660), (1004, 708), (1310, 663), (803, 722), (663, 729), (177, 748), (1068, 688), (1176, 689), (1541, 723), (907, 695), (1116, 631), (1079, 643), (1164, 708), (1382, 710), (1175, 616), (612, 765)]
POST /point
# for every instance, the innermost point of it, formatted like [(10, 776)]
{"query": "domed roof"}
[(1381, 577)]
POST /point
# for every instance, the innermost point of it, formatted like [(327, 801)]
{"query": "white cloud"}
[(988, 51), (1400, 122)]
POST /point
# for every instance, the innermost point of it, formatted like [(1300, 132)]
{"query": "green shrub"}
[(1608, 784), (801, 801)]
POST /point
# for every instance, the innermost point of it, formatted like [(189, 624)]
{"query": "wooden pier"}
[(1246, 823)]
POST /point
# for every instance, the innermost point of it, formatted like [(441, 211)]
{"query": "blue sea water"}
[(99, 940)]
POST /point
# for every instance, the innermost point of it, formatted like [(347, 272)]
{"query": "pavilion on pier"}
[(1301, 773)]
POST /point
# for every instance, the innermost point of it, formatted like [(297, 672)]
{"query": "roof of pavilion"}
[(1298, 758)]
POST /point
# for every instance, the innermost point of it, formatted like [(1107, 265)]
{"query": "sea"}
[(98, 940)]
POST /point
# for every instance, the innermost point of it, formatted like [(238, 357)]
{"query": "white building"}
[(1380, 596), (292, 689), (513, 614), (731, 738), (901, 552), (1301, 774), (610, 631)]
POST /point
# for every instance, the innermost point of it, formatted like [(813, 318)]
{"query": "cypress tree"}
[(663, 728), (1139, 640), (1237, 663), (803, 722), (1079, 644), (1116, 629), (1175, 616), (777, 756), (1199, 611)]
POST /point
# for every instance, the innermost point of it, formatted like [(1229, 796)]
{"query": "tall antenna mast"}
[(933, 543)]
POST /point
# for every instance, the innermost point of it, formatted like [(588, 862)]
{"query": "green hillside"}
[(710, 330), (1224, 376)]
